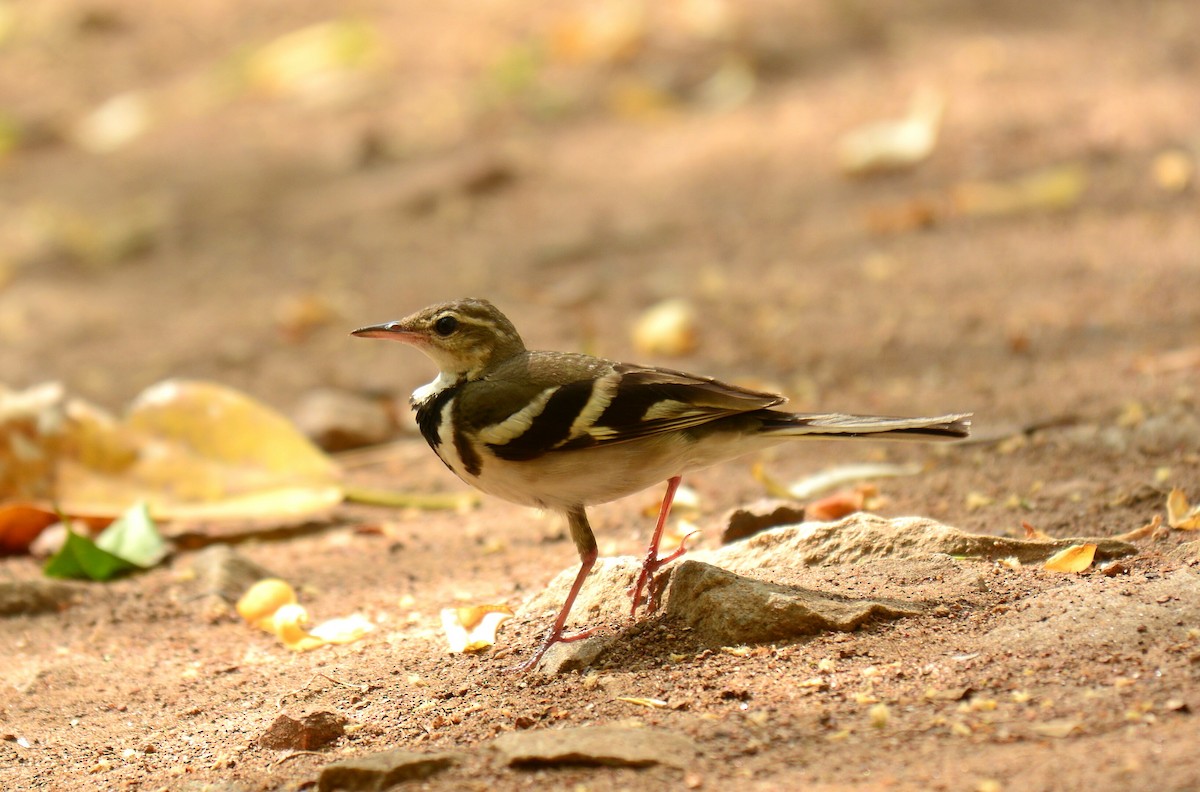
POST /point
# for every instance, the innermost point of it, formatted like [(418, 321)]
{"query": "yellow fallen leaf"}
[(687, 501), (1174, 171), (313, 59), (667, 328), (894, 144), (31, 441), (652, 703), (472, 628), (1075, 558), (977, 500), (1063, 727), (288, 625), (344, 630), (270, 605), (260, 602), (194, 450), (603, 33), (1180, 515), (117, 121), (772, 485), (1052, 189)]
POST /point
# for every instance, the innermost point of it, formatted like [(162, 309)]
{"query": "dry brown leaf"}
[(1141, 533), (1180, 514), (472, 628), (20, 524), (1075, 558), (839, 504), (1034, 533)]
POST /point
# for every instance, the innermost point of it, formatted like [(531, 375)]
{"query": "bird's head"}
[(463, 337)]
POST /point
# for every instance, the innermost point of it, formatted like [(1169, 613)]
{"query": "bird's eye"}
[(445, 326)]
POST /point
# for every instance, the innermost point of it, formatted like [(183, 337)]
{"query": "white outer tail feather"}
[(834, 425)]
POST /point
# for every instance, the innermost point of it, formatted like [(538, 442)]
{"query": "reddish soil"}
[(241, 239)]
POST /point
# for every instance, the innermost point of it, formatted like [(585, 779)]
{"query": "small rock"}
[(310, 733), (563, 658), (1188, 552), (860, 537), (1162, 434), (383, 770), (723, 608), (211, 786), (221, 570), (337, 420), (602, 596), (28, 597), (611, 746), (748, 520)]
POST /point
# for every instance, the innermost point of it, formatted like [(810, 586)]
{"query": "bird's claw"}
[(646, 577)]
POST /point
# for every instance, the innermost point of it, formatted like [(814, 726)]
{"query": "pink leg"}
[(585, 542), (653, 563), (555, 634)]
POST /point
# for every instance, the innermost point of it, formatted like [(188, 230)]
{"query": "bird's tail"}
[(836, 425)]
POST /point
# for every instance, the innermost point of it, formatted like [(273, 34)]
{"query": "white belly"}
[(564, 479)]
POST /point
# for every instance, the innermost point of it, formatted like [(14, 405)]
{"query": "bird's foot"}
[(553, 636), (643, 589)]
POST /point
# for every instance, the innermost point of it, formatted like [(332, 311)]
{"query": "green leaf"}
[(80, 559), (134, 538), (131, 542)]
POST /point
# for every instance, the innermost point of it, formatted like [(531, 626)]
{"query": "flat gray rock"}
[(223, 571), (379, 771), (613, 746), (723, 608), (861, 537), (338, 420), (29, 597)]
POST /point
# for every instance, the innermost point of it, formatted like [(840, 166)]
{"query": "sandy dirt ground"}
[(576, 164)]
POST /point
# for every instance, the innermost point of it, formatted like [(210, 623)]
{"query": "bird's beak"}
[(395, 331)]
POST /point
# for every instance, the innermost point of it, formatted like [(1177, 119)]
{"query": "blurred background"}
[(870, 206)]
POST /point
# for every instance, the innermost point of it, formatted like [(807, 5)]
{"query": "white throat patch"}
[(431, 389)]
